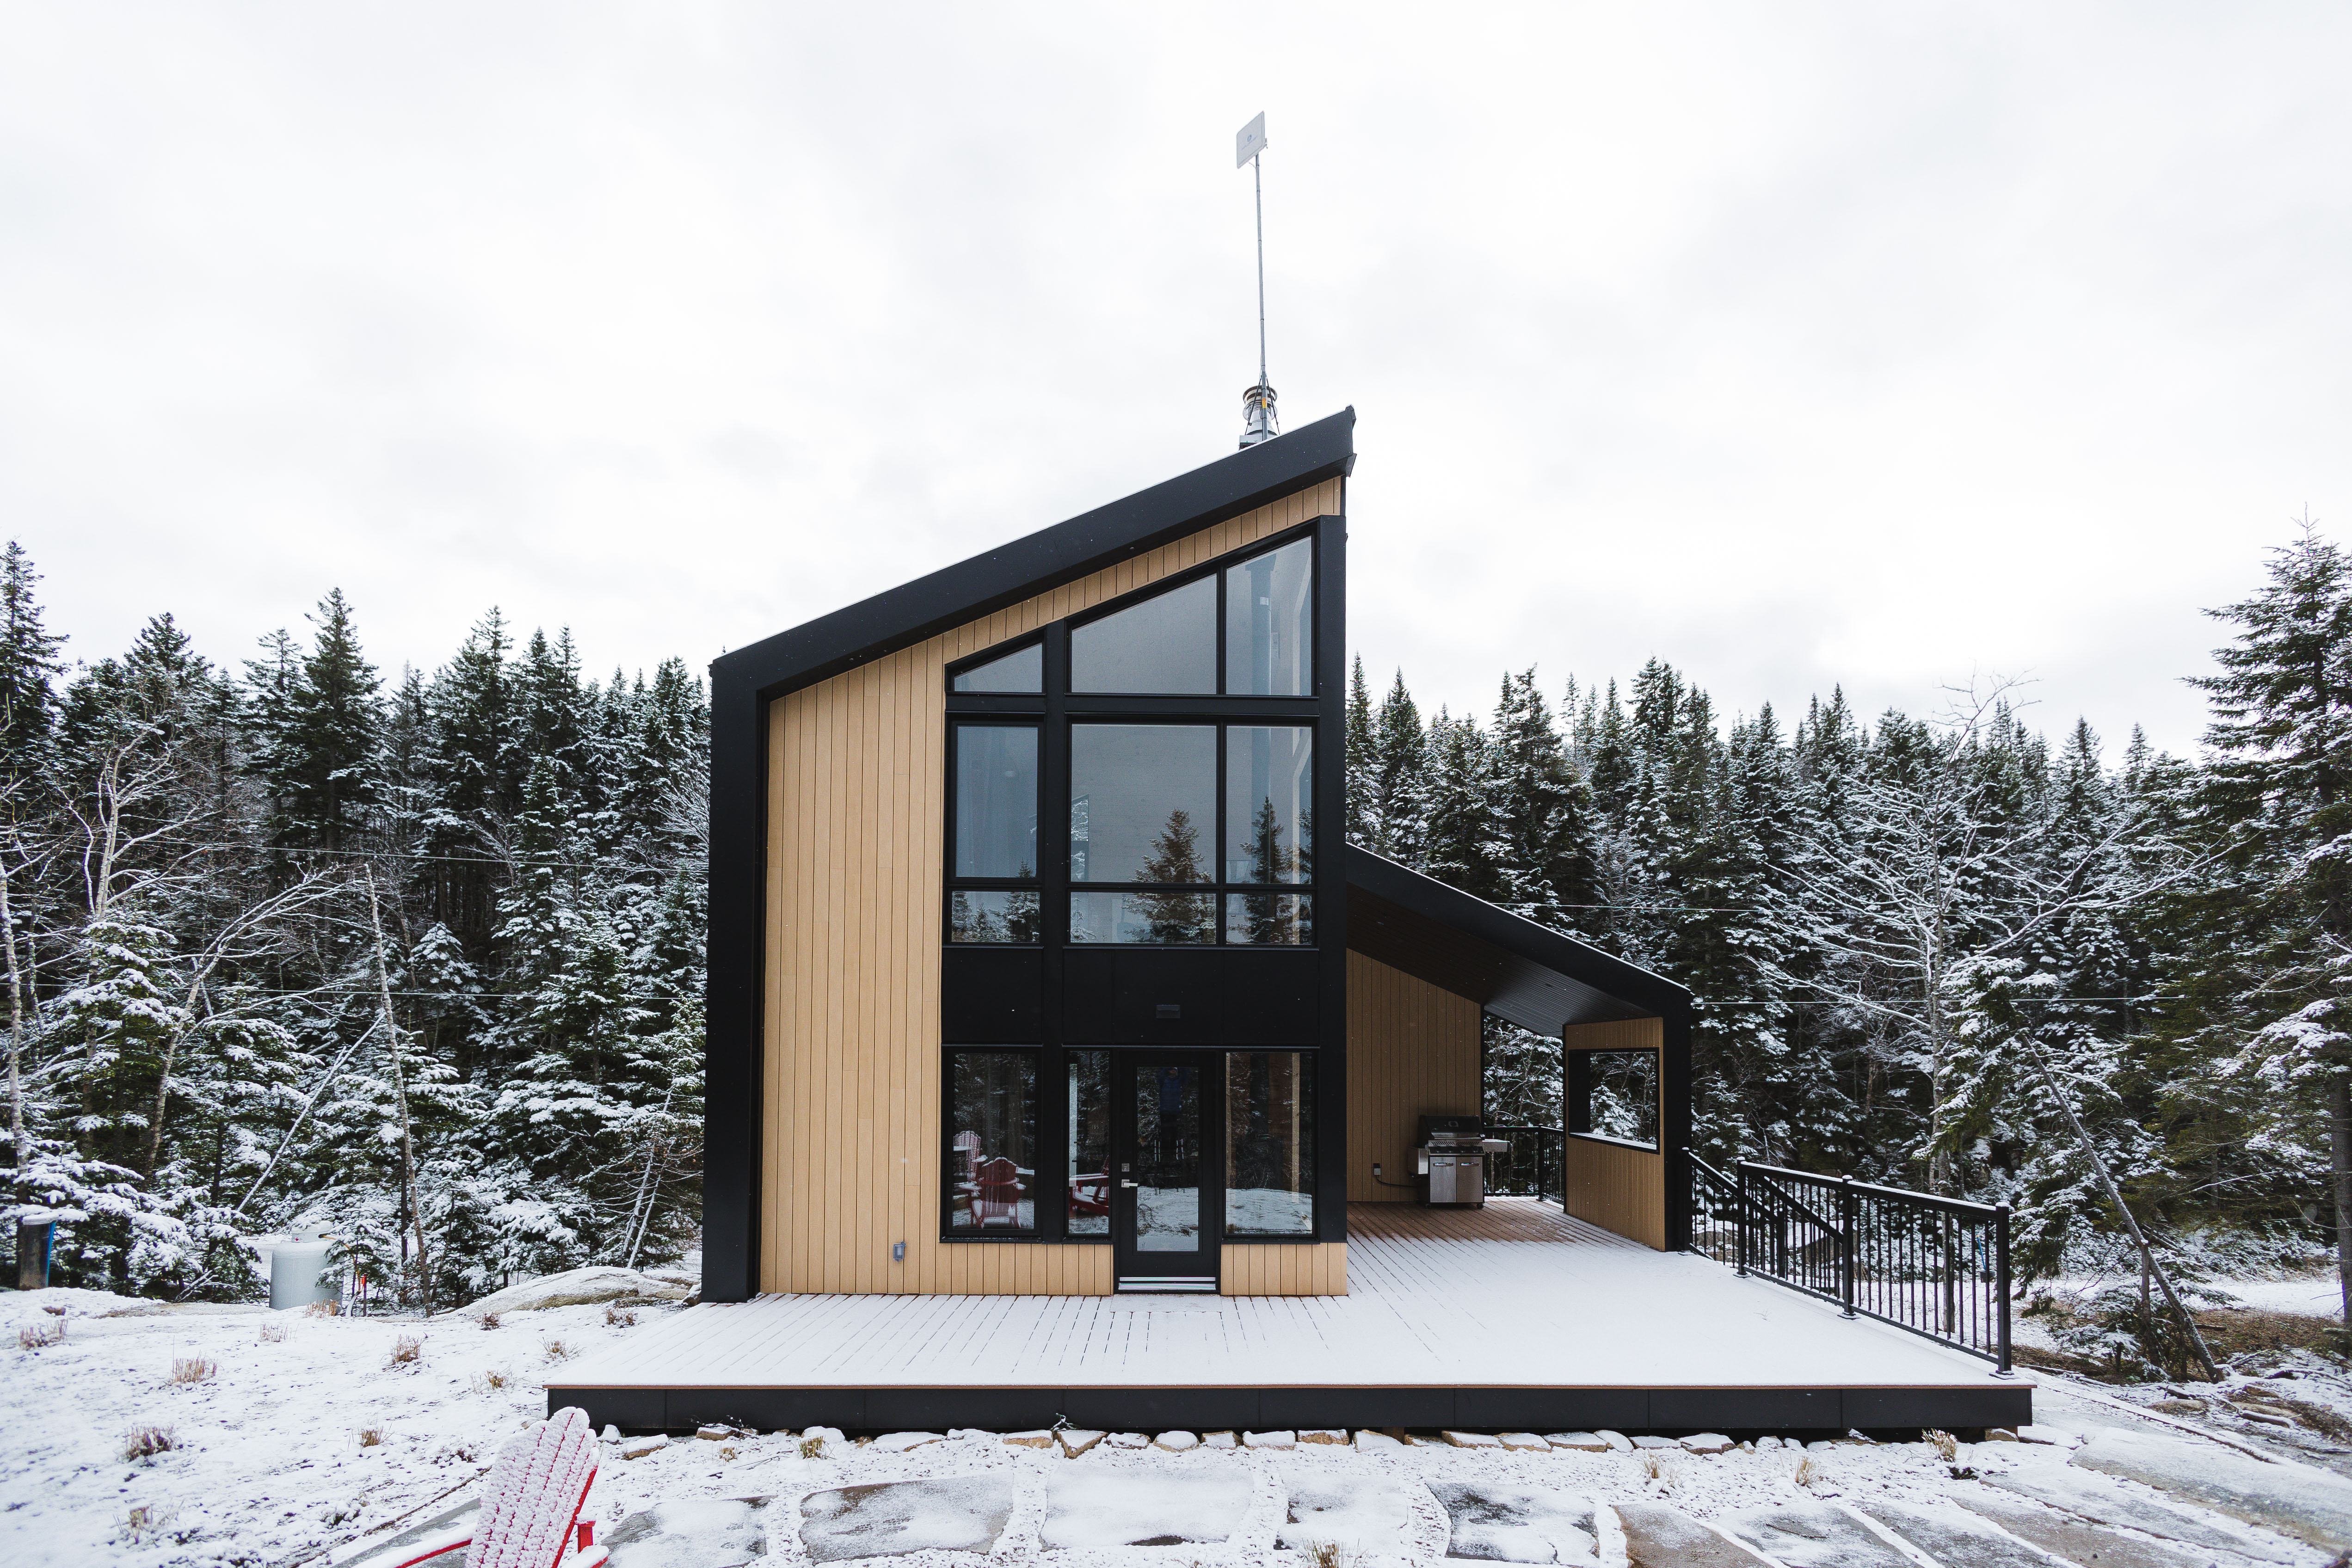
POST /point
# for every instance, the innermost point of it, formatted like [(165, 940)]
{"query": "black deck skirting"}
[(1669, 1410)]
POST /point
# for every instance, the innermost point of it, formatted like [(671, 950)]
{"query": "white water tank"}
[(294, 1266)]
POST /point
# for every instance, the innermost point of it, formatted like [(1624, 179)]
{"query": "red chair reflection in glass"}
[(1090, 1194), (997, 1192)]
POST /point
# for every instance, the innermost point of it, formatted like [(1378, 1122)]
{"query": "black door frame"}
[(1126, 1261)]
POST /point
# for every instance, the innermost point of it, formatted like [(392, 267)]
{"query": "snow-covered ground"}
[(272, 1466)]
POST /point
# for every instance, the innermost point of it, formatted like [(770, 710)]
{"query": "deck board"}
[(1514, 1296)]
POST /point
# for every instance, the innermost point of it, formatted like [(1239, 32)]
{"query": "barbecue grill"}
[(1453, 1156)]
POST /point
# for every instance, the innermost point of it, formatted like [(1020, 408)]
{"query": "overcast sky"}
[(1881, 345)]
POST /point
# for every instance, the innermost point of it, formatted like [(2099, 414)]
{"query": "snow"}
[(269, 1470), (579, 1287)]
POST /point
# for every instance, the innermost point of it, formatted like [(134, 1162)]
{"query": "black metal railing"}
[(1936, 1266), (1535, 1166)]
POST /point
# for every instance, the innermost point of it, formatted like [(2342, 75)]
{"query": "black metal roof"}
[(1043, 560), (1508, 965)]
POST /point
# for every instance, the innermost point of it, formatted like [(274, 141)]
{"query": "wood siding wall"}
[(1412, 1051), (1616, 1187), (856, 803), (1275, 1269)]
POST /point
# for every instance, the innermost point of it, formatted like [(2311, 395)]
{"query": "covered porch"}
[(1517, 1315)]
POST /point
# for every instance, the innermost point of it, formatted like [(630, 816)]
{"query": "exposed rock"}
[(960, 1513), (899, 1442), (1220, 1440), (1076, 1442), (1127, 1441), (2308, 1504), (695, 1529), (1706, 1443), (1037, 1439), (1814, 1535), (1331, 1434), (1366, 1516), (638, 1447), (2071, 1537), (827, 1440), (2056, 1436), (1271, 1439), (1954, 1537), (714, 1434), (1472, 1440), (1093, 1507), (1176, 1442), (2095, 1497), (1516, 1524), (1617, 1440), (1529, 1441), (1368, 1441), (1583, 1442), (579, 1287), (1661, 1537), (1646, 1441)]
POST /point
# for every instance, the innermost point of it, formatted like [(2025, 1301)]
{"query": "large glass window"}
[(1022, 670), (1269, 1143), (1269, 803), (1270, 623), (992, 916), (1090, 1125), (996, 802), (1167, 643), (1142, 802), (1270, 919), (992, 1165)]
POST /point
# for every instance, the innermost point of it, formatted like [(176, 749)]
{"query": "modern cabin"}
[(1048, 1009)]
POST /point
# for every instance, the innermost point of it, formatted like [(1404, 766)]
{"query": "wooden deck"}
[(1509, 1316)]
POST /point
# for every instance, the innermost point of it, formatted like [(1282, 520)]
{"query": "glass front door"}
[(1165, 1193)]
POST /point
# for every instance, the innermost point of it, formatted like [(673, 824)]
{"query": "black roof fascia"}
[(1513, 968), (1044, 560)]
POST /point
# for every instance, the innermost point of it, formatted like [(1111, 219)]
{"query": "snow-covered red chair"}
[(530, 1514)]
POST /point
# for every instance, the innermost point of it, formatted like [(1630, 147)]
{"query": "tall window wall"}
[(1143, 776)]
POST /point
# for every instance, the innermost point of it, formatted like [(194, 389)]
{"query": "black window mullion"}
[(1053, 932)]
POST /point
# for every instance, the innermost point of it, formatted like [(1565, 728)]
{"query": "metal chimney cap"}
[(1258, 414)]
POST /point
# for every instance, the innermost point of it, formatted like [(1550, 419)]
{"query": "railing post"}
[(1742, 1218), (2000, 1283), (1845, 1244)]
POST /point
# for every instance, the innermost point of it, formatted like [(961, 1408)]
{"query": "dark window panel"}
[(996, 801), (1270, 623), (1269, 1143), (992, 1164), (1622, 1090), (1089, 1123), (992, 916), (1022, 670), (1162, 919), (1165, 643), (1143, 802), (1270, 919), (1269, 803)]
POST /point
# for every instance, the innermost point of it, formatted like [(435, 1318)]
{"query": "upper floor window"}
[(1021, 670), (1168, 644)]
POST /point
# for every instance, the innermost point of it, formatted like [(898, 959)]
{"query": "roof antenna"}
[(1257, 402)]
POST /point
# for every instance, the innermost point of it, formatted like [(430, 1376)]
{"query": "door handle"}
[(1127, 1184)]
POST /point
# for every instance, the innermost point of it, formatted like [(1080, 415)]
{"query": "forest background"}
[(418, 961)]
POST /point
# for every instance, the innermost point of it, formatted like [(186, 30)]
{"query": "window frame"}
[(1215, 567), (989, 656), (949, 882), (1039, 1166)]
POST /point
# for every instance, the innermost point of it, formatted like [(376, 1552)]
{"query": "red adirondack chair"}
[(532, 1502)]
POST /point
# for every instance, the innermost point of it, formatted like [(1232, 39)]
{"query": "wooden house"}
[(1042, 976)]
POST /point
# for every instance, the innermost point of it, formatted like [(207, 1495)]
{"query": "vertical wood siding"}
[(1274, 1270), (1412, 1051), (1617, 1188), (857, 804)]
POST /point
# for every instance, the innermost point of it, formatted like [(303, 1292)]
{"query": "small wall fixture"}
[(897, 1252)]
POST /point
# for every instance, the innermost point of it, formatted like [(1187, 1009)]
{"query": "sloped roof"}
[(1508, 965), (1041, 562)]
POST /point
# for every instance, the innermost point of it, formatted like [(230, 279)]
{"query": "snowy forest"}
[(417, 960)]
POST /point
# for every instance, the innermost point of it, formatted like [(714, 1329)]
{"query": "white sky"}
[(1794, 345)]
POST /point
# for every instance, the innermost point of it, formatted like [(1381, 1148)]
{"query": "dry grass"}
[(1948, 1447), (617, 1317), (369, 1436), (490, 1320), (41, 1335), (1330, 1555), (146, 1442), (2241, 1328), (273, 1331), (194, 1368), (1808, 1472), (556, 1349), (1654, 1464), (407, 1348), (493, 1381), (326, 1309), (146, 1522), (2317, 1417), (812, 1446)]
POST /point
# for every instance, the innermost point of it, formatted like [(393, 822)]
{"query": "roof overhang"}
[(1044, 560), (1511, 967)]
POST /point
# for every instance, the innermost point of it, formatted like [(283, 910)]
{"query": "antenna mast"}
[(1257, 402)]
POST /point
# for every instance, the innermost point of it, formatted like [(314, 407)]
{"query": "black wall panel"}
[(992, 996)]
